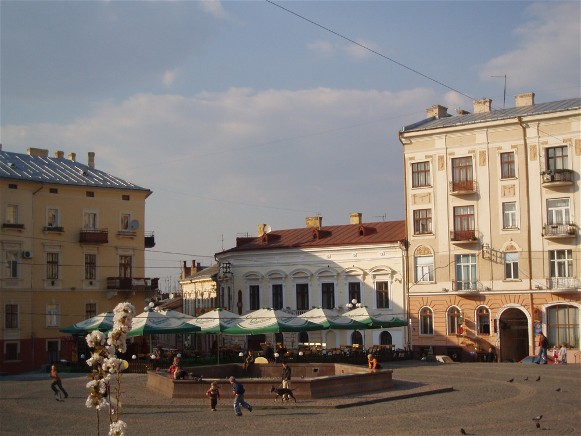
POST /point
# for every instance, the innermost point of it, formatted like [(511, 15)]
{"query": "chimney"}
[(72, 156), (482, 106), (437, 111), (460, 111), (184, 270), (314, 222), (355, 218), (59, 154), (37, 152), (527, 99), (91, 160)]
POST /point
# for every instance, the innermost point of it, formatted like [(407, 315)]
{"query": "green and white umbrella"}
[(270, 321), (102, 322), (152, 323), (215, 321), (373, 319), (329, 319)]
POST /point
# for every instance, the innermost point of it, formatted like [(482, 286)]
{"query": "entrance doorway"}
[(513, 334)]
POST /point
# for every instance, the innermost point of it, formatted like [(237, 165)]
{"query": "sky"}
[(239, 113)]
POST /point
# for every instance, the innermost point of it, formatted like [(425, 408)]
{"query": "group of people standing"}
[(559, 354)]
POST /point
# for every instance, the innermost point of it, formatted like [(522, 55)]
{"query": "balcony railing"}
[(53, 229), (559, 230), (461, 285), (463, 236), (132, 283), (149, 240), (563, 283), (557, 177), (12, 226), (94, 236), (463, 187)]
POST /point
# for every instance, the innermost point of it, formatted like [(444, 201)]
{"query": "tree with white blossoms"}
[(107, 366)]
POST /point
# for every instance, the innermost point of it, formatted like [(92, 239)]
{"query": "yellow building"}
[(492, 217), (71, 245)]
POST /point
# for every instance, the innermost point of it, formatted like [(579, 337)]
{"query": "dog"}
[(283, 391)]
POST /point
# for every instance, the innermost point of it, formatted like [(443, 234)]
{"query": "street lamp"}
[(353, 304)]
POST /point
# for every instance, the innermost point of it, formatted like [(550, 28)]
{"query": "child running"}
[(56, 382), (213, 394)]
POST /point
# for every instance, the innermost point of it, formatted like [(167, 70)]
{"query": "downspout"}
[(530, 263), (406, 254)]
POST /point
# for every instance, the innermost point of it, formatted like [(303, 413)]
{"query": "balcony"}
[(132, 283), (563, 283), (555, 178), (94, 236), (465, 187), (149, 240), (558, 231), (16, 226), (463, 236), (53, 229), (467, 286)]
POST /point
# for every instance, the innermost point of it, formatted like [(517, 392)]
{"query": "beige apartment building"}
[(493, 204), (72, 246)]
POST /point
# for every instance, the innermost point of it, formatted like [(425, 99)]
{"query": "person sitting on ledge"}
[(372, 363), (248, 360)]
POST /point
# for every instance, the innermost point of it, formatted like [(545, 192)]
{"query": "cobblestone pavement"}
[(427, 399)]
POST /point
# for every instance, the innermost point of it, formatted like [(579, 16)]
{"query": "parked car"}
[(534, 359)]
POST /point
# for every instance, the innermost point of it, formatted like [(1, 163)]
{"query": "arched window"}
[(563, 325), (454, 317), (483, 320), (385, 338), (356, 338), (303, 337), (426, 321)]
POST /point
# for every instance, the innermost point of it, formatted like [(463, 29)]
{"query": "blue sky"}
[(236, 113)]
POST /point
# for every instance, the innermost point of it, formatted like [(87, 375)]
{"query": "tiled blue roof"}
[(19, 166), (523, 111)]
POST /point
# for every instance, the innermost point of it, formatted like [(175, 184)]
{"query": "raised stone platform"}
[(309, 380)]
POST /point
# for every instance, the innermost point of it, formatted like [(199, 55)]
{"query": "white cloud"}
[(169, 77), (213, 7), (323, 48), (549, 47), (353, 51), (358, 52)]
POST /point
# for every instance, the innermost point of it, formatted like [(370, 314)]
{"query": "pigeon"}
[(538, 378), (511, 380), (526, 378), (558, 389), (463, 431), (538, 418), (538, 424)]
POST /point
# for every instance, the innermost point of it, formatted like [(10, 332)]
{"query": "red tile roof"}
[(350, 234)]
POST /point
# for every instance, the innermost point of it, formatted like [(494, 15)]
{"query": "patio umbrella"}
[(152, 322), (102, 322), (329, 319), (175, 314), (270, 321), (215, 321), (373, 319)]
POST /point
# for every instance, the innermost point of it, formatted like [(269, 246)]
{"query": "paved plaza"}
[(427, 399)]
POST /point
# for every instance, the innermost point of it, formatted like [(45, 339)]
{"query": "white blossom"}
[(117, 428)]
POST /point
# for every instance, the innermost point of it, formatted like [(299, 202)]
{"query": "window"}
[(328, 295), (557, 158), (507, 168), (426, 321), (462, 175), (465, 272), (561, 263), (11, 350), (90, 194), (125, 197), (89, 221), (511, 266), (355, 291), (483, 320), (90, 266), (385, 338), (254, 292), (277, 297), (558, 211), (509, 215), (52, 266), (90, 310), (11, 316), (464, 223), (303, 337), (125, 220), (11, 214), (357, 338), (53, 191), (420, 174), (52, 315), (126, 267), (563, 325), (11, 265), (302, 296), (424, 269), (52, 217), (382, 294), (454, 318), (422, 221)]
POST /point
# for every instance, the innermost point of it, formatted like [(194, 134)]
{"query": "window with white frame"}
[(483, 320), (382, 293), (52, 266), (125, 220), (465, 272), (557, 158), (426, 321), (507, 165), (52, 217), (561, 263), (420, 174), (558, 211), (90, 310), (11, 214), (90, 266), (11, 266), (424, 269), (90, 220), (422, 221), (509, 220), (328, 295), (511, 266), (52, 315), (454, 318)]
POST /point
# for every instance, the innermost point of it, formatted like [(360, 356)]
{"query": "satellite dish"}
[(267, 229), (134, 225)]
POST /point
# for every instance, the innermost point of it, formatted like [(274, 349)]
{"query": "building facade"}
[(72, 246), (492, 219), (320, 266)]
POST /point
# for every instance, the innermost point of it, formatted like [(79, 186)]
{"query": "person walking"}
[(56, 381), (563, 353), (238, 390), (286, 377), (543, 345), (213, 394)]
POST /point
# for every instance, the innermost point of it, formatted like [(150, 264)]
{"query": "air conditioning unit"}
[(27, 254)]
